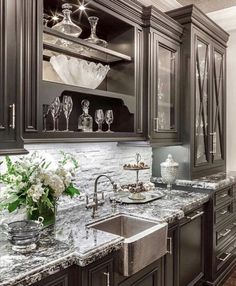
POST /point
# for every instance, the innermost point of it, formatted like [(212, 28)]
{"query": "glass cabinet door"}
[(165, 91), (202, 92), (218, 106)]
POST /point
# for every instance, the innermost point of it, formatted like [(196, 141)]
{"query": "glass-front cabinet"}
[(164, 90), (202, 101), (209, 103), (218, 106), (89, 66)]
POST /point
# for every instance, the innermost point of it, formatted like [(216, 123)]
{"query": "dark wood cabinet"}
[(191, 248), (171, 259), (221, 229), (163, 71), (152, 275), (10, 79), (122, 90), (203, 93), (99, 274)]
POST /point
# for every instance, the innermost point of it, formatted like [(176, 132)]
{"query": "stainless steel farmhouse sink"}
[(144, 240)]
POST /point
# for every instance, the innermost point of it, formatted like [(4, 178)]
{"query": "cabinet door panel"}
[(202, 101), (149, 279), (10, 88), (218, 124), (191, 259), (164, 88), (101, 275)]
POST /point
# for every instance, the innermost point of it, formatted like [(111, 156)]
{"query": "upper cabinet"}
[(85, 77), (10, 81), (203, 104), (163, 47)]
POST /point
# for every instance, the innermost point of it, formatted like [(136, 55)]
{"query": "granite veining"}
[(212, 182), (71, 242)]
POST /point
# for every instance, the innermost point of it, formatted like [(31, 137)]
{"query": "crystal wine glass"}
[(58, 116), (46, 110), (93, 38), (67, 105), (109, 118), (99, 119), (54, 108)]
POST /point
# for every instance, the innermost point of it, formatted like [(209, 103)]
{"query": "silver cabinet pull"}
[(226, 257), (196, 215), (213, 134), (12, 124), (170, 250), (107, 274), (224, 195), (156, 124), (223, 234), (223, 212)]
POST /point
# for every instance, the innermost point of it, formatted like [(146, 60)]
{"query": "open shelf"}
[(79, 48), (55, 89)]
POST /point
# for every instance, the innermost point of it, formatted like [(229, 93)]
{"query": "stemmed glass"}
[(67, 105), (109, 118), (99, 119), (58, 116), (54, 108), (46, 110)]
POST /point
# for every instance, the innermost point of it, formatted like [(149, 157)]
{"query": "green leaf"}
[(72, 191), (13, 206)]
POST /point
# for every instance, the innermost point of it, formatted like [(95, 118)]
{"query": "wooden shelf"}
[(55, 89), (60, 87), (79, 48)]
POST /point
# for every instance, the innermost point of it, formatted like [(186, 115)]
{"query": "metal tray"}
[(149, 198)]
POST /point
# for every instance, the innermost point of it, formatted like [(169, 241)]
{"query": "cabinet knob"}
[(12, 124), (107, 274)]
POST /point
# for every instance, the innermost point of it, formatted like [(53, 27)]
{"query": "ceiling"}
[(209, 5)]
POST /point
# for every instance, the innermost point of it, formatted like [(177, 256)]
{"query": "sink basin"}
[(144, 240)]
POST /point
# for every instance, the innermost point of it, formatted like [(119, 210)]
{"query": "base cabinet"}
[(191, 248)]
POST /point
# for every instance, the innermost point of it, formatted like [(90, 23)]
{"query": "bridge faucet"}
[(95, 203)]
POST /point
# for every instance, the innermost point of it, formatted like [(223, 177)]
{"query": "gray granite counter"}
[(71, 242), (212, 182)]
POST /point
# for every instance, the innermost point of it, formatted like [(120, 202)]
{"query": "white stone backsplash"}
[(98, 158)]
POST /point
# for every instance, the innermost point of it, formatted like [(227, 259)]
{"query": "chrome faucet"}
[(95, 203)]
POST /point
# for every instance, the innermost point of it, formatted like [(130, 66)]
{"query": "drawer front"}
[(225, 234), (226, 255), (224, 196), (224, 213)]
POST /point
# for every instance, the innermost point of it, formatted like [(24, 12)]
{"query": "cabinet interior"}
[(117, 90)]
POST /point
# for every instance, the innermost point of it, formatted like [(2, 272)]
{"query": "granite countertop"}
[(71, 242), (212, 182)]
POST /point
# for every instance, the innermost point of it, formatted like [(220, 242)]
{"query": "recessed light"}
[(55, 18), (82, 7)]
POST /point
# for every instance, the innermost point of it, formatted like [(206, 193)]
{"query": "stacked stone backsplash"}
[(95, 159)]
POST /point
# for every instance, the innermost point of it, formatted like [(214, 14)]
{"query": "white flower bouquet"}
[(31, 182)]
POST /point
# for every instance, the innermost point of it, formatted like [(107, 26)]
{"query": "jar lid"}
[(169, 162)]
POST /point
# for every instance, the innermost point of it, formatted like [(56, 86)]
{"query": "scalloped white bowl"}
[(79, 72)]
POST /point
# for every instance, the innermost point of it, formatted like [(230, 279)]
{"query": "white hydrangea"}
[(56, 183), (35, 192)]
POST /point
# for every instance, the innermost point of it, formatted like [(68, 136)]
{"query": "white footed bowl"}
[(79, 72)]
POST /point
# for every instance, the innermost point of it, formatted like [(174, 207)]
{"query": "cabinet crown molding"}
[(154, 18), (191, 14)]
